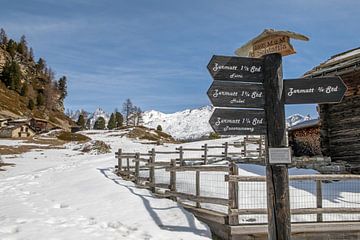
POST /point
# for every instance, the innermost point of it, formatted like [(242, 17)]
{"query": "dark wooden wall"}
[(305, 141), (340, 124)]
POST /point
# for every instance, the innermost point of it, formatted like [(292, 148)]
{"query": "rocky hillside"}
[(28, 88)]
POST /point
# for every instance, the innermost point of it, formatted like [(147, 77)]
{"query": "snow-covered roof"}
[(337, 64), (305, 124)]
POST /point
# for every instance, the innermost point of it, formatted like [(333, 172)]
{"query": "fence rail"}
[(220, 189)]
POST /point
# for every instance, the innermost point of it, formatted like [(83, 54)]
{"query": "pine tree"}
[(22, 46), (112, 122), (3, 37), (24, 90), (40, 65), (40, 99), (62, 86), (159, 128), (11, 48), (11, 75), (119, 119), (99, 123), (127, 110), (31, 104), (81, 121)]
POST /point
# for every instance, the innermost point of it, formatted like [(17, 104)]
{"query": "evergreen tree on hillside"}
[(62, 86), (40, 99), (127, 110), (112, 122), (31, 104), (99, 123), (11, 76), (119, 119), (81, 121), (40, 65), (11, 48), (24, 90), (31, 54), (3, 37), (22, 46), (159, 128)]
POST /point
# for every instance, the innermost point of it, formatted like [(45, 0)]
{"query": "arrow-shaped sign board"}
[(236, 94), (314, 90), (226, 68), (227, 121)]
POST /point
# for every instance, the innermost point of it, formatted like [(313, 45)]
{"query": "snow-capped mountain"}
[(187, 124), (99, 112), (295, 119)]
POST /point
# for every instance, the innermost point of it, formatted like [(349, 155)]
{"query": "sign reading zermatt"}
[(236, 69), (314, 90), (237, 85)]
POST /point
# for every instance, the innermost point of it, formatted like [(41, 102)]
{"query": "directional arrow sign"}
[(236, 94), (236, 69), (227, 121), (314, 90)]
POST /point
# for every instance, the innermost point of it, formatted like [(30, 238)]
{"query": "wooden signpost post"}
[(242, 82)]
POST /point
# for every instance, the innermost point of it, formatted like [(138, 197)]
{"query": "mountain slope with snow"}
[(187, 124)]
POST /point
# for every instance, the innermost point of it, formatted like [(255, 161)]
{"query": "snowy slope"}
[(187, 124), (295, 119)]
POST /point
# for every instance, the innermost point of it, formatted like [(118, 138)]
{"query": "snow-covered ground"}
[(67, 194)]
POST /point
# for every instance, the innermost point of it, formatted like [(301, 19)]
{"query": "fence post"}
[(233, 195), (226, 150), (137, 167), (181, 156), (198, 188), (245, 148), (173, 177), (152, 170), (205, 154), (319, 216), (119, 161)]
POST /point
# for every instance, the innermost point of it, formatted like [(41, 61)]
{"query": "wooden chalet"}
[(340, 123), (17, 131), (304, 138)]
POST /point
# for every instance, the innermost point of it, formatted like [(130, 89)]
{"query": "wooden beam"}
[(199, 168), (194, 198)]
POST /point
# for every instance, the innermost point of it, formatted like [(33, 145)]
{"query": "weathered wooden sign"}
[(234, 121), (236, 94), (314, 90), (272, 44), (226, 68)]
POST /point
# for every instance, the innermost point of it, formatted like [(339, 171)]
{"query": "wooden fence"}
[(131, 165)]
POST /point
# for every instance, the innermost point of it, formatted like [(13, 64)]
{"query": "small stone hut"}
[(340, 123), (17, 131)]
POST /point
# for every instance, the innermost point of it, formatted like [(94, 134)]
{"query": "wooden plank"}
[(215, 146), (277, 181), (173, 178), (205, 156), (197, 182), (194, 198), (319, 199), (297, 211), (190, 149), (158, 152), (190, 159), (233, 195), (207, 214), (119, 160), (317, 177), (298, 228), (158, 164), (152, 170), (199, 168), (137, 169)]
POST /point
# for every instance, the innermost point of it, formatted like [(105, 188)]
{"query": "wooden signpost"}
[(242, 82), (226, 68), (236, 94), (314, 90), (227, 121)]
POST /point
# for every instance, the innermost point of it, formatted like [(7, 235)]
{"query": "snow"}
[(343, 56), (187, 124), (67, 194), (64, 194)]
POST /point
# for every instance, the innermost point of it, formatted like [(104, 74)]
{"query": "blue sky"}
[(155, 52)]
